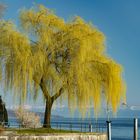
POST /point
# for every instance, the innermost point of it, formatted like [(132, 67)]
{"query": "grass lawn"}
[(39, 130)]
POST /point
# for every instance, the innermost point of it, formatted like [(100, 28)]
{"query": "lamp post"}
[(2, 113), (135, 122), (108, 122), (108, 110)]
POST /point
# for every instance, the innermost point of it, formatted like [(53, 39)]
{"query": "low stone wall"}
[(71, 136)]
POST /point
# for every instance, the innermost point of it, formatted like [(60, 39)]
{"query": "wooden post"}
[(109, 130), (135, 129)]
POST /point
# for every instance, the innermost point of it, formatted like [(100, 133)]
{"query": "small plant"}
[(27, 119)]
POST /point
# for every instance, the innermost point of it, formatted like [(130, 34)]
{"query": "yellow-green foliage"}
[(61, 54)]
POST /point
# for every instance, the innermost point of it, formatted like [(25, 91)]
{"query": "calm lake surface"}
[(122, 128)]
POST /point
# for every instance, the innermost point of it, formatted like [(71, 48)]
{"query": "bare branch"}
[(54, 97), (44, 89)]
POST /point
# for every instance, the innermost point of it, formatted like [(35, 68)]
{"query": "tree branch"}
[(54, 97), (44, 89)]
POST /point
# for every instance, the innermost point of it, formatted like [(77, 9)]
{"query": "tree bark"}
[(49, 103), (47, 115)]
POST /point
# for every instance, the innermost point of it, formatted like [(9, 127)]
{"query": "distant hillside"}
[(122, 113), (11, 114)]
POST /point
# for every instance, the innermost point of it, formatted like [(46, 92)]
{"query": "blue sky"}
[(119, 20)]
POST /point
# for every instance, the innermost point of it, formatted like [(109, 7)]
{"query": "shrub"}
[(27, 119)]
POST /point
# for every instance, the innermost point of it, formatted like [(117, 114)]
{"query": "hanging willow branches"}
[(61, 58)]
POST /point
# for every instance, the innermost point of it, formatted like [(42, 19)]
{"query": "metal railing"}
[(64, 126), (126, 130), (80, 127)]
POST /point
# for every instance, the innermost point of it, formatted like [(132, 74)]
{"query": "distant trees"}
[(60, 58)]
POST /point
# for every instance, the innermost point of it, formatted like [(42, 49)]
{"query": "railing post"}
[(57, 125), (71, 127), (90, 127), (135, 128), (60, 127), (81, 127), (108, 130), (34, 128)]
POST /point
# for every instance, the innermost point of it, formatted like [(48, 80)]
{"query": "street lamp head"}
[(124, 103)]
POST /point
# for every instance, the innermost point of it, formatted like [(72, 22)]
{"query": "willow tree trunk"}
[(47, 115), (49, 102)]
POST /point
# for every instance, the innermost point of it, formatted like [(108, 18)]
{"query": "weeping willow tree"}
[(63, 59)]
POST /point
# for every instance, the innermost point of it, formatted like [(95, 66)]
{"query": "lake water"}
[(122, 128)]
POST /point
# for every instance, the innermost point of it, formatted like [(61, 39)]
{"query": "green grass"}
[(39, 131)]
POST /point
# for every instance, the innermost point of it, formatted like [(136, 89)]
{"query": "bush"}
[(27, 119)]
